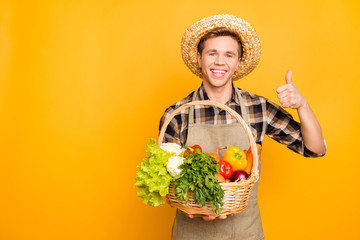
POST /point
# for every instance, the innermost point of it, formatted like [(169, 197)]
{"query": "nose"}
[(219, 60)]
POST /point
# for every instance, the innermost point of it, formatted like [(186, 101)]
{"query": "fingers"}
[(287, 98), (287, 93), (213, 217), (286, 87), (289, 83), (288, 76), (207, 217), (281, 88), (283, 94), (286, 102)]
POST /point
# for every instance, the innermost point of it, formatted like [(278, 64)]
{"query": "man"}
[(221, 49)]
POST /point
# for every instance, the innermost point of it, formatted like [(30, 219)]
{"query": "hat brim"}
[(249, 39)]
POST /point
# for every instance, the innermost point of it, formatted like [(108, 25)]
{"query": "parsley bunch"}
[(198, 176)]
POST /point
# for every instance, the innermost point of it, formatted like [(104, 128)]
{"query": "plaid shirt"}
[(265, 117)]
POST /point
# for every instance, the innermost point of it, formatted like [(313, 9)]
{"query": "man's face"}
[(218, 61)]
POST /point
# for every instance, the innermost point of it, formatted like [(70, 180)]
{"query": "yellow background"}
[(83, 85)]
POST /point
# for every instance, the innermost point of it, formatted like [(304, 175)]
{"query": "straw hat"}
[(249, 39)]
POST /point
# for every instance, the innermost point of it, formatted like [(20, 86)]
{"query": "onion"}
[(239, 175)]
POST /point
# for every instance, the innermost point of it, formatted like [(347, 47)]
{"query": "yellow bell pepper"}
[(236, 157)]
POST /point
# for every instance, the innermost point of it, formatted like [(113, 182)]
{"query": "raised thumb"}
[(288, 76)]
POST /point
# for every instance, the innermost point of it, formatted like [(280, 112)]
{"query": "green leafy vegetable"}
[(198, 176), (152, 178)]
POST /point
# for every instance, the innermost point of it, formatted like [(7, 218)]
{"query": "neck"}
[(219, 94)]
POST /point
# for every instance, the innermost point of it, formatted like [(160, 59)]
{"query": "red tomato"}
[(192, 149), (226, 169)]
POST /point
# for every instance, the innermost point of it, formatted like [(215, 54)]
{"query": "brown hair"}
[(220, 32)]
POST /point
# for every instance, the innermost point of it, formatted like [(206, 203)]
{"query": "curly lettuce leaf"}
[(152, 178)]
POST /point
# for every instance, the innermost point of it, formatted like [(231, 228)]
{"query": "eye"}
[(211, 54), (229, 55)]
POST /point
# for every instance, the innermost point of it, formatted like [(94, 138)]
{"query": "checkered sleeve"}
[(172, 133), (284, 129)]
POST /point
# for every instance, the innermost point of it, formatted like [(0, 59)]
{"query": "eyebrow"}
[(214, 50)]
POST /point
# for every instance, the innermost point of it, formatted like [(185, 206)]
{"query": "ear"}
[(199, 59)]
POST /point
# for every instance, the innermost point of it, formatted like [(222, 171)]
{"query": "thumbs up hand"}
[(289, 95)]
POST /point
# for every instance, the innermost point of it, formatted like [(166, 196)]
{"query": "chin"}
[(219, 83)]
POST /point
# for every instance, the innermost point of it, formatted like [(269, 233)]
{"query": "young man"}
[(221, 49)]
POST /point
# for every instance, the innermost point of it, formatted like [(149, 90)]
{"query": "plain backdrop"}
[(83, 85)]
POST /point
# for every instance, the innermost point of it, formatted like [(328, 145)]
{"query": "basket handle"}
[(254, 170)]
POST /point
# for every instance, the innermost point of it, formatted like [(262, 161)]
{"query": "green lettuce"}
[(152, 178)]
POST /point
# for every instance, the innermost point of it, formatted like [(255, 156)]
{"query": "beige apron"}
[(245, 225)]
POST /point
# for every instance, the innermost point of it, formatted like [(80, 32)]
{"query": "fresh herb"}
[(198, 177), (152, 178)]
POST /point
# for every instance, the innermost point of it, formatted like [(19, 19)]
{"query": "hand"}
[(207, 217), (289, 95)]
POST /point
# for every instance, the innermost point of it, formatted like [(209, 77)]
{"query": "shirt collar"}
[(202, 95)]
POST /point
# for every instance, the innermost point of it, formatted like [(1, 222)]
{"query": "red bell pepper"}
[(192, 149)]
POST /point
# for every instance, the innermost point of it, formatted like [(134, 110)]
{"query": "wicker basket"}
[(236, 194)]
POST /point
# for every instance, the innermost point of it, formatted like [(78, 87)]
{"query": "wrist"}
[(304, 105)]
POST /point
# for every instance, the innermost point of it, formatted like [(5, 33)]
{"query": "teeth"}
[(218, 71)]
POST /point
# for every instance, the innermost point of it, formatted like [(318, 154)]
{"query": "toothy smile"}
[(218, 71)]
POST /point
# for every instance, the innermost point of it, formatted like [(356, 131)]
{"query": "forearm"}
[(311, 130)]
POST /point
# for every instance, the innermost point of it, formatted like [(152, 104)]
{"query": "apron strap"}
[(244, 112), (191, 110)]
